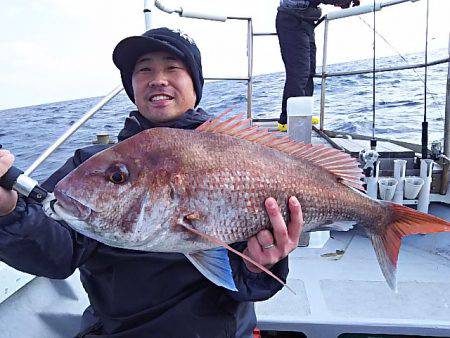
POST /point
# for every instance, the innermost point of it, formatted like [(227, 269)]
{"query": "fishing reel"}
[(369, 159), (436, 150), (15, 179)]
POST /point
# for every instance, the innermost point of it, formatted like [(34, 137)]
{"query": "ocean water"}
[(399, 109)]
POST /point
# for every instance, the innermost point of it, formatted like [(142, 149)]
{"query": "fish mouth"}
[(69, 206)]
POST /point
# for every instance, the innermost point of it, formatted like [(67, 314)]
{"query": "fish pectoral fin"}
[(215, 266), (218, 242)]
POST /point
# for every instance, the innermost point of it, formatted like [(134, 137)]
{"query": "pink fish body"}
[(151, 191)]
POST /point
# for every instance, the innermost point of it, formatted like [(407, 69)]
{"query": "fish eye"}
[(117, 173)]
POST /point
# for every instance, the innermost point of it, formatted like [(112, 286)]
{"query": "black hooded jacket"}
[(132, 293)]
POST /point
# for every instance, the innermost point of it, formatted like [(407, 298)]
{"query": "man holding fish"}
[(137, 284)]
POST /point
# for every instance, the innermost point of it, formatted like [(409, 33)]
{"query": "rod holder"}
[(399, 175), (372, 182), (426, 171)]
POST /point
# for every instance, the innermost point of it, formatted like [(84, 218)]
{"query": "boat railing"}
[(340, 14), (385, 69)]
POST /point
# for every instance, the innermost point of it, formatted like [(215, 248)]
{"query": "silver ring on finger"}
[(268, 246)]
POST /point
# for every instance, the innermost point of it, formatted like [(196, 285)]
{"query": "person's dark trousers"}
[(298, 50)]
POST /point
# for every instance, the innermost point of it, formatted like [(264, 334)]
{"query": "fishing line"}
[(433, 95)]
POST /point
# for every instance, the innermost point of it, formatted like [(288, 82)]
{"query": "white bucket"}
[(387, 188), (299, 111), (413, 184)]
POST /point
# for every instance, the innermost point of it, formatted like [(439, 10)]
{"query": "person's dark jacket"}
[(132, 293)]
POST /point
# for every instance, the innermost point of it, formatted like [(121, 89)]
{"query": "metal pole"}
[(447, 110), (324, 76), (190, 12), (250, 67), (363, 9), (446, 169), (72, 129), (148, 4)]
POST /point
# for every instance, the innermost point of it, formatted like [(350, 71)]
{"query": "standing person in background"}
[(295, 25)]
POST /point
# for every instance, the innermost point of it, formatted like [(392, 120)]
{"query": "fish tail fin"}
[(403, 221)]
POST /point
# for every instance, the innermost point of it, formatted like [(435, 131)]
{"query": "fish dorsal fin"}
[(333, 160)]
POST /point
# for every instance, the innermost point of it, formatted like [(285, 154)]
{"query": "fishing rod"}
[(424, 139), (425, 122), (15, 179), (373, 140), (20, 181), (433, 95), (390, 45)]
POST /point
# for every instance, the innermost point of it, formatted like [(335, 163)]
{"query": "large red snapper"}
[(187, 191)]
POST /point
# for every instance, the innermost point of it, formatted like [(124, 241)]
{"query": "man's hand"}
[(267, 248), (8, 199), (347, 3)]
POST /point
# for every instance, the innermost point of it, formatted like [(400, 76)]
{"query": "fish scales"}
[(227, 180)]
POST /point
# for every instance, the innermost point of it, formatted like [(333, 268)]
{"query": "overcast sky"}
[(56, 50)]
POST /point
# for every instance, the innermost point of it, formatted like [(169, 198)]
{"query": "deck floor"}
[(346, 293)]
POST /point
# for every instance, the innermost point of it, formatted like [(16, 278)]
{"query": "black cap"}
[(130, 49)]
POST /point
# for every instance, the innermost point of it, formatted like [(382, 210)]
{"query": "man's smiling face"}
[(162, 86)]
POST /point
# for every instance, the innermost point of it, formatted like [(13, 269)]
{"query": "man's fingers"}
[(4, 152), (253, 246), (296, 223), (277, 221), (265, 238), (6, 161), (8, 199)]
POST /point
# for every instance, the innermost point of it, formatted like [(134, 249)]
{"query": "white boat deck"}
[(340, 289), (44, 308)]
